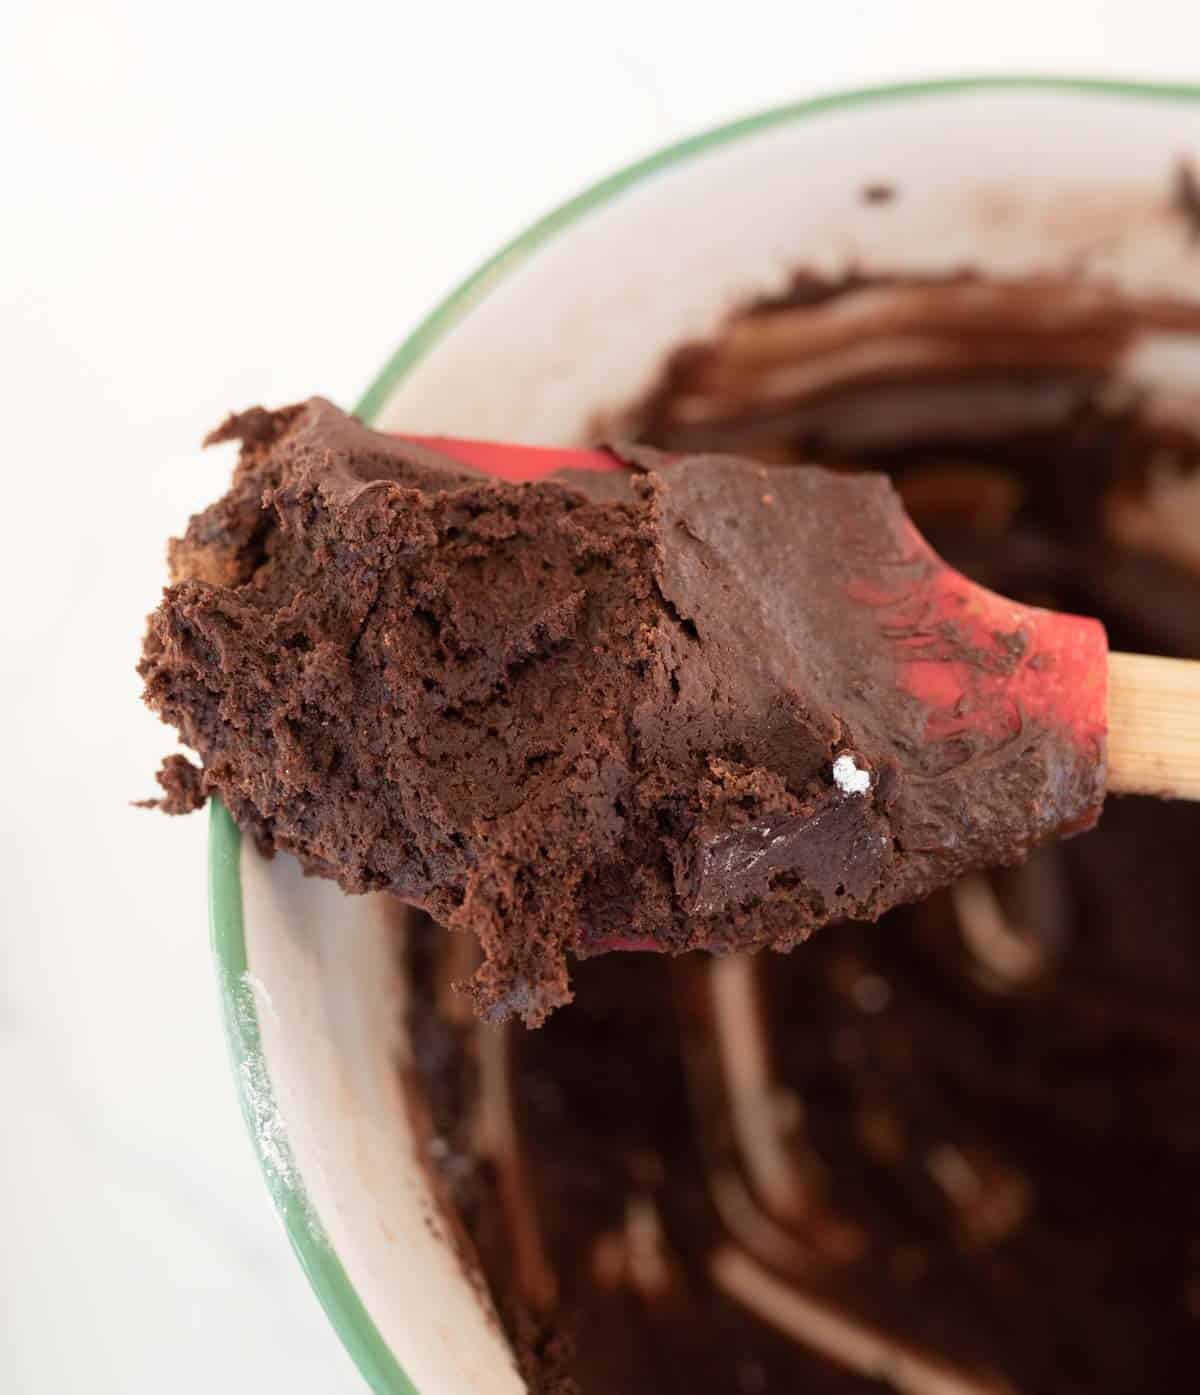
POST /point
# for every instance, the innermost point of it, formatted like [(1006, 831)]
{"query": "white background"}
[(201, 207)]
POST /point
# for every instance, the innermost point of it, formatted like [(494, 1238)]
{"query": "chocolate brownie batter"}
[(654, 706), (954, 1152)]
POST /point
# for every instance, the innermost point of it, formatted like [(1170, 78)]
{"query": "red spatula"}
[(1145, 709)]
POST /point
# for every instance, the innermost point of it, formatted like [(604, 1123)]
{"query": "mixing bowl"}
[(572, 319)]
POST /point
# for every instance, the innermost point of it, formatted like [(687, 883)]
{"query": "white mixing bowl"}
[(1008, 176)]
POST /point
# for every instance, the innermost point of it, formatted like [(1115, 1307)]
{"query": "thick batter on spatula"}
[(653, 702)]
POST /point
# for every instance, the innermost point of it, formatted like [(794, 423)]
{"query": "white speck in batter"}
[(848, 777)]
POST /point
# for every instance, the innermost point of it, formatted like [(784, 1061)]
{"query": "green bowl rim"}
[(329, 1280)]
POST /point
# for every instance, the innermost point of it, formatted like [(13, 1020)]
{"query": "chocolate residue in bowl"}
[(955, 1151), (1187, 196)]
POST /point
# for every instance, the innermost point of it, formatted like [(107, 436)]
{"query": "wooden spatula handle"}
[(1153, 726)]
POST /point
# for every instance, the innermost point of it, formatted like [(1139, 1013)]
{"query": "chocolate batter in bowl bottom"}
[(955, 1151)]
